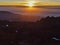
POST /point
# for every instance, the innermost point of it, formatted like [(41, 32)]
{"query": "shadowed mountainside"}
[(43, 32), (5, 15)]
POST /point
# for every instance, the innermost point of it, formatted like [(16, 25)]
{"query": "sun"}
[(31, 3)]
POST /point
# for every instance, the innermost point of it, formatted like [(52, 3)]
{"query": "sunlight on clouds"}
[(31, 3), (29, 0)]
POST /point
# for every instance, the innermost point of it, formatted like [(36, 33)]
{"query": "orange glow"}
[(34, 10)]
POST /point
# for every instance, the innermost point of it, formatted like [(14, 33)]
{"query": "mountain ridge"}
[(6, 15)]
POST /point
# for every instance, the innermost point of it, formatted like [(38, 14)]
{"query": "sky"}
[(28, 14), (48, 11), (30, 0), (23, 2)]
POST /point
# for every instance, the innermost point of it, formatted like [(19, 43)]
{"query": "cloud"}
[(29, 0), (50, 0), (11, 0)]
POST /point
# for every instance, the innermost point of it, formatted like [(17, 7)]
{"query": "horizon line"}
[(24, 4)]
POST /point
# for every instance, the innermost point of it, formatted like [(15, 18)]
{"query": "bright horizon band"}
[(35, 4)]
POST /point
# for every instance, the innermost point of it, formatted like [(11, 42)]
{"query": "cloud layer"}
[(30, 0)]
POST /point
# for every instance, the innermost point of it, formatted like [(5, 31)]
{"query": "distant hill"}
[(6, 15)]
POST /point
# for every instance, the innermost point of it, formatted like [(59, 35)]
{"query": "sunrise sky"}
[(30, 12), (29, 0), (24, 2)]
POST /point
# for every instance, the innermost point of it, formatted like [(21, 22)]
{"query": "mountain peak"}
[(6, 12)]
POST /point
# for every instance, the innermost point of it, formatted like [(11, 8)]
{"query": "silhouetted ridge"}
[(43, 32), (6, 15), (6, 12)]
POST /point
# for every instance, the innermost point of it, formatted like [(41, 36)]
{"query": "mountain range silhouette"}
[(6, 15)]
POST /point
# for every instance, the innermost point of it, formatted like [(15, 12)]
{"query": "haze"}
[(42, 11)]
